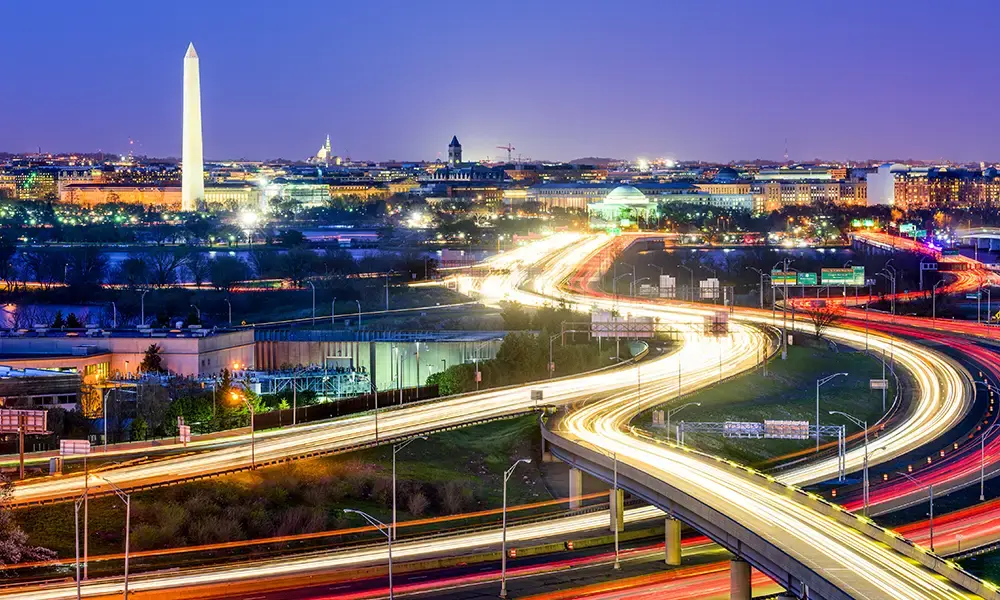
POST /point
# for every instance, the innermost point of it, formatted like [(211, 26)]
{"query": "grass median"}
[(788, 392)]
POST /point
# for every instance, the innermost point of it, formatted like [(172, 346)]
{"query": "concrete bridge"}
[(803, 568), (984, 238)]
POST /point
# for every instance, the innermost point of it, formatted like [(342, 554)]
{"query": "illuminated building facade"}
[(94, 194), (36, 183), (234, 196)]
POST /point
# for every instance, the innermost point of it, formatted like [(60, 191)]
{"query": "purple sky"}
[(395, 80)]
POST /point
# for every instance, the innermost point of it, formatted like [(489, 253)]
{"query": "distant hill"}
[(593, 160)]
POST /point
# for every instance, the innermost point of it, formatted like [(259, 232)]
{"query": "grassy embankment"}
[(451, 472), (788, 392)]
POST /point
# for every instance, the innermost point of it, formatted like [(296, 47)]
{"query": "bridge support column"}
[(546, 454), (672, 544), (617, 509), (575, 488), (739, 580)]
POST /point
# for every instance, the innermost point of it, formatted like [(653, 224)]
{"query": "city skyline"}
[(693, 82)]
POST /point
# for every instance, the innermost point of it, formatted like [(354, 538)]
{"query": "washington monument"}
[(192, 165)]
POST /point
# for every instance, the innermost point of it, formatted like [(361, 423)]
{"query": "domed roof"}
[(626, 194), (726, 175)]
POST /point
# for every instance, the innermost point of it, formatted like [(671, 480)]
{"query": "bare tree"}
[(198, 267), (823, 315), (164, 265), (48, 267)]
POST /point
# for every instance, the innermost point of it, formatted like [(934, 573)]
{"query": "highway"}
[(944, 400)]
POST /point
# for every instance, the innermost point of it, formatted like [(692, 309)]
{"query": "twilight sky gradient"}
[(694, 79)]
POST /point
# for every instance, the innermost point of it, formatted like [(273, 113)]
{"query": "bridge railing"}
[(948, 569)]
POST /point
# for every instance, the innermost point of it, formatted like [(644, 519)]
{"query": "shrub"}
[(417, 504)]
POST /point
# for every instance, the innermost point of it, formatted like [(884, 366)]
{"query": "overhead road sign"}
[(850, 276), (784, 278), (786, 430)]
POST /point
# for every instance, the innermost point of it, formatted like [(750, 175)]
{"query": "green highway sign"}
[(851, 276), (906, 227), (783, 278), (807, 279)]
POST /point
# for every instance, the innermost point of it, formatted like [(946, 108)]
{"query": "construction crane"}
[(509, 150)]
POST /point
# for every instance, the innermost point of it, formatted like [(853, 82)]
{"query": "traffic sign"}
[(784, 277), (806, 279), (74, 447), (35, 421), (184, 433), (738, 429), (878, 384), (851, 276), (786, 430)]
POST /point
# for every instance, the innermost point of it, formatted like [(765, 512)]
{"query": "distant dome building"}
[(624, 207), (626, 194), (726, 175)]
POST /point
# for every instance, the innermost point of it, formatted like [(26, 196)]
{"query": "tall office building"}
[(192, 163)]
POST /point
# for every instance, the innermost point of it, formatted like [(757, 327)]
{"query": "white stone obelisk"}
[(192, 164)]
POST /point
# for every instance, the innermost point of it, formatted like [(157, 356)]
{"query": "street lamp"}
[(552, 365), (656, 267), (236, 397), (314, 301), (476, 359), (930, 488), (197, 312), (614, 282), (632, 288), (982, 450), (384, 530), (358, 302), (673, 411), (230, 305), (104, 415), (784, 303), (762, 275), (127, 499), (865, 481), (820, 382), (989, 301), (934, 300), (333, 312), (395, 449), (503, 559), (691, 271), (142, 309), (636, 290), (892, 271)]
